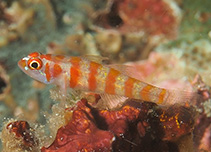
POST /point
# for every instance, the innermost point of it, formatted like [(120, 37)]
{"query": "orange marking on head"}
[(110, 81), (92, 75), (59, 57), (22, 63), (129, 87), (47, 72), (57, 70), (161, 96), (145, 93), (46, 56), (34, 54), (74, 71)]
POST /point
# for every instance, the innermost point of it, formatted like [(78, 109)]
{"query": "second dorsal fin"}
[(126, 70)]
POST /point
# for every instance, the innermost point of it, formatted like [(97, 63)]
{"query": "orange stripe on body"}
[(74, 71), (161, 96), (145, 93), (47, 72), (57, 70), (59, 57), (51, 57), (110, 81), (92, 75), (129, 87)]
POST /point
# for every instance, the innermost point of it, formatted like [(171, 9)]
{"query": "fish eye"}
[(35, 64)]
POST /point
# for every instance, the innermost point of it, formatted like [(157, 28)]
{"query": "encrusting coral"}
[(18, 136), (131, 128), (202, 129)]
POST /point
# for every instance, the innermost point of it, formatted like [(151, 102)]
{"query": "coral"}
[(202, 129), (182, 119), (49, 11), (22, 129), (80, 44), (205, 140), (15, 21), (153, 17), (109, 42), (158, 71), (192, 57), (18, 136), (137, 27), (134, 127), (134, 37), (81, 134), (197, 58), (198, 55)]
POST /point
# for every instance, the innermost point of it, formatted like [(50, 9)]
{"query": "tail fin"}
[(181, 97)]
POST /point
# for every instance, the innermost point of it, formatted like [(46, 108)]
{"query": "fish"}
[(87, 74)]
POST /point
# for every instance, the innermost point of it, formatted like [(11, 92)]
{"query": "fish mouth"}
[(22, 63)]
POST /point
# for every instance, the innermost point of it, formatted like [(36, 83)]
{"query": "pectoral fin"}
[(111, 102)]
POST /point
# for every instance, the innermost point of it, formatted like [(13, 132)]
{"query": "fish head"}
[(33, 66)]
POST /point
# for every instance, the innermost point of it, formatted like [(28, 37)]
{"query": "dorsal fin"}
[(95, 58), (126, 70)]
